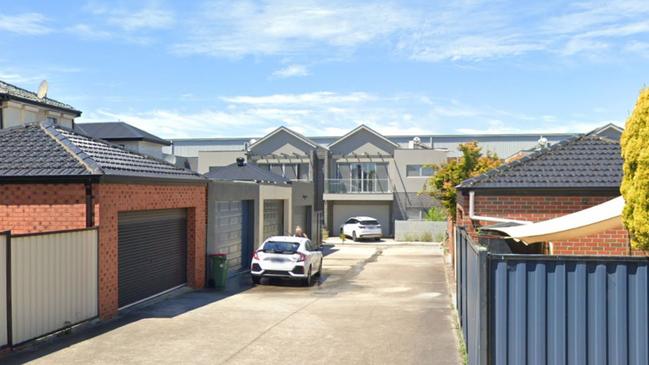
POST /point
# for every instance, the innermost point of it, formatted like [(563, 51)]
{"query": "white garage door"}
[(379, 211)]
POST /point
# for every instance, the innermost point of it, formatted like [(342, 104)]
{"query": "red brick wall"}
[(542, 207), (114, 198), (29, 208)]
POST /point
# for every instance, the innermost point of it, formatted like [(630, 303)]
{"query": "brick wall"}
[(29, 208), (114, 198), (542, 207)]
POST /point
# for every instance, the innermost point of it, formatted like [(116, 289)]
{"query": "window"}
[(281, 247), (292, 171), (51, 119), (419, 170)]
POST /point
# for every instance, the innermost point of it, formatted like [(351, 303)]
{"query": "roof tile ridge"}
[(84, 159)]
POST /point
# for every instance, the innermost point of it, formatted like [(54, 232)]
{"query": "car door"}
[(349, 226), (313, 256)]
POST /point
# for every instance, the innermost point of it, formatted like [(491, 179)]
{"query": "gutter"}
[(488, 219)]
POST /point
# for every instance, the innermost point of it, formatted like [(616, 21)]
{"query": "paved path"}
[(373, 305)]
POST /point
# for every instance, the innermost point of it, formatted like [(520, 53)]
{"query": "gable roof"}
[(9, 91), (245, 172), (366, 128), (289, 131), (40, 150), (583, 162), (118, 131)]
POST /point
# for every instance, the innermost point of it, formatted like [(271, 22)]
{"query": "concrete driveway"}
[(373, 305)]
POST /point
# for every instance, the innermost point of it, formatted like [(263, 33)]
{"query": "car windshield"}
[(370, 223), (281, 247)]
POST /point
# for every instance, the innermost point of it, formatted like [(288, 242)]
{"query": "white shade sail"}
[(593, 220)]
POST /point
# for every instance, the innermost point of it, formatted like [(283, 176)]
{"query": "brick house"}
[(150, 214), (566, 177)]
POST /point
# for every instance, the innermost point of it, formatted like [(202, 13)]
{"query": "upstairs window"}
[(419, 171), (52, 120), (295, 171)]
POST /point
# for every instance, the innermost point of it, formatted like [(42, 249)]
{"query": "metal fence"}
[(50, 282), (4, 328), (538, 309)]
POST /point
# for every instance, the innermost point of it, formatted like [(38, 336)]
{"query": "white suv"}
[(287, 257), (362, 227)]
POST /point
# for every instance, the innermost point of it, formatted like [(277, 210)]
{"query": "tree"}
[(471, 163), (435, 214), (635, 182)]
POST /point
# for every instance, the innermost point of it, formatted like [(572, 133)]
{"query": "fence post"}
[(10, 331), (483, 295)]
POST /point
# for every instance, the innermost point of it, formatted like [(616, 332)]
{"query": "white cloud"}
[(26, 23), (329, 113), (235, 29), (291, 71), (130, 20), (86, 31)]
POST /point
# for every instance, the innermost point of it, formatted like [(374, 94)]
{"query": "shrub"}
[(435, 214), (635, 183), (426, 237)]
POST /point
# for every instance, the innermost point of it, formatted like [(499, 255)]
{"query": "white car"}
[(287, 257), (362, 227)]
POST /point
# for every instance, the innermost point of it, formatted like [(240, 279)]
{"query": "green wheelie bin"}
[(218, 270)]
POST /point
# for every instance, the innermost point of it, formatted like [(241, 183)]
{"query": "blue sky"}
[(242, 68)]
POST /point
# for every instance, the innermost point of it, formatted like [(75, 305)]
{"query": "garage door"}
[(152, 253), (273, 218), (233, 232), (342, 212), (302, 218)]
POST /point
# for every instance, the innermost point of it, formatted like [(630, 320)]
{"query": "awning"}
[(585, 222)]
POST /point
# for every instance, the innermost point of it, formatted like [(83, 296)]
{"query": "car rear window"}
[(370, 223), (281, 247)]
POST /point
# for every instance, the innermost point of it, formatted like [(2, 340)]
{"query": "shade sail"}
[(585, 222)]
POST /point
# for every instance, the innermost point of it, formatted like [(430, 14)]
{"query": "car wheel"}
[(309, 279), (256, 279), (354, 238), (377, 239)]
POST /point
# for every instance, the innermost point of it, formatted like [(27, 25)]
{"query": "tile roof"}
[(247, 172), (587, 161), (10, 90), (116, 131), (47, 150)]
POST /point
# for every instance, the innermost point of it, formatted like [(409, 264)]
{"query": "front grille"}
[(298, 270)]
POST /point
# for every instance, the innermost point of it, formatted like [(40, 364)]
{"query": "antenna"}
[(42, 89)]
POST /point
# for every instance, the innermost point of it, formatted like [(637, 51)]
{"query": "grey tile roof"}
[(47, 150), (9, 90), (583, 162), (118, 131), (247, 172)]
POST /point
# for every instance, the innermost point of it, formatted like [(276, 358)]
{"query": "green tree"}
[(435, 214), (635, 183), (471, 163)]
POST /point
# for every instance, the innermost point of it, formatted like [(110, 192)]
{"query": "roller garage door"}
[(273, 218), (380, 211), (233, 232), (152, 253)]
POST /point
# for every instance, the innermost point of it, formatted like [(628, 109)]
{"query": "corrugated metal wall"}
[(53, 282), (471, 296), (3, 290), (562, 310)]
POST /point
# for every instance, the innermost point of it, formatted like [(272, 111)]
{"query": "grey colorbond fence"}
[(50, 282), (542, 309)]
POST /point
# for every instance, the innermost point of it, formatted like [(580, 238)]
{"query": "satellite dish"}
[(42, 89)]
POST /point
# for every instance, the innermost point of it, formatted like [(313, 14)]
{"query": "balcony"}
[(358, 189)]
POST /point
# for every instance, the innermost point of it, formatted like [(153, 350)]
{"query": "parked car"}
[(287, 257), (362, 227)]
